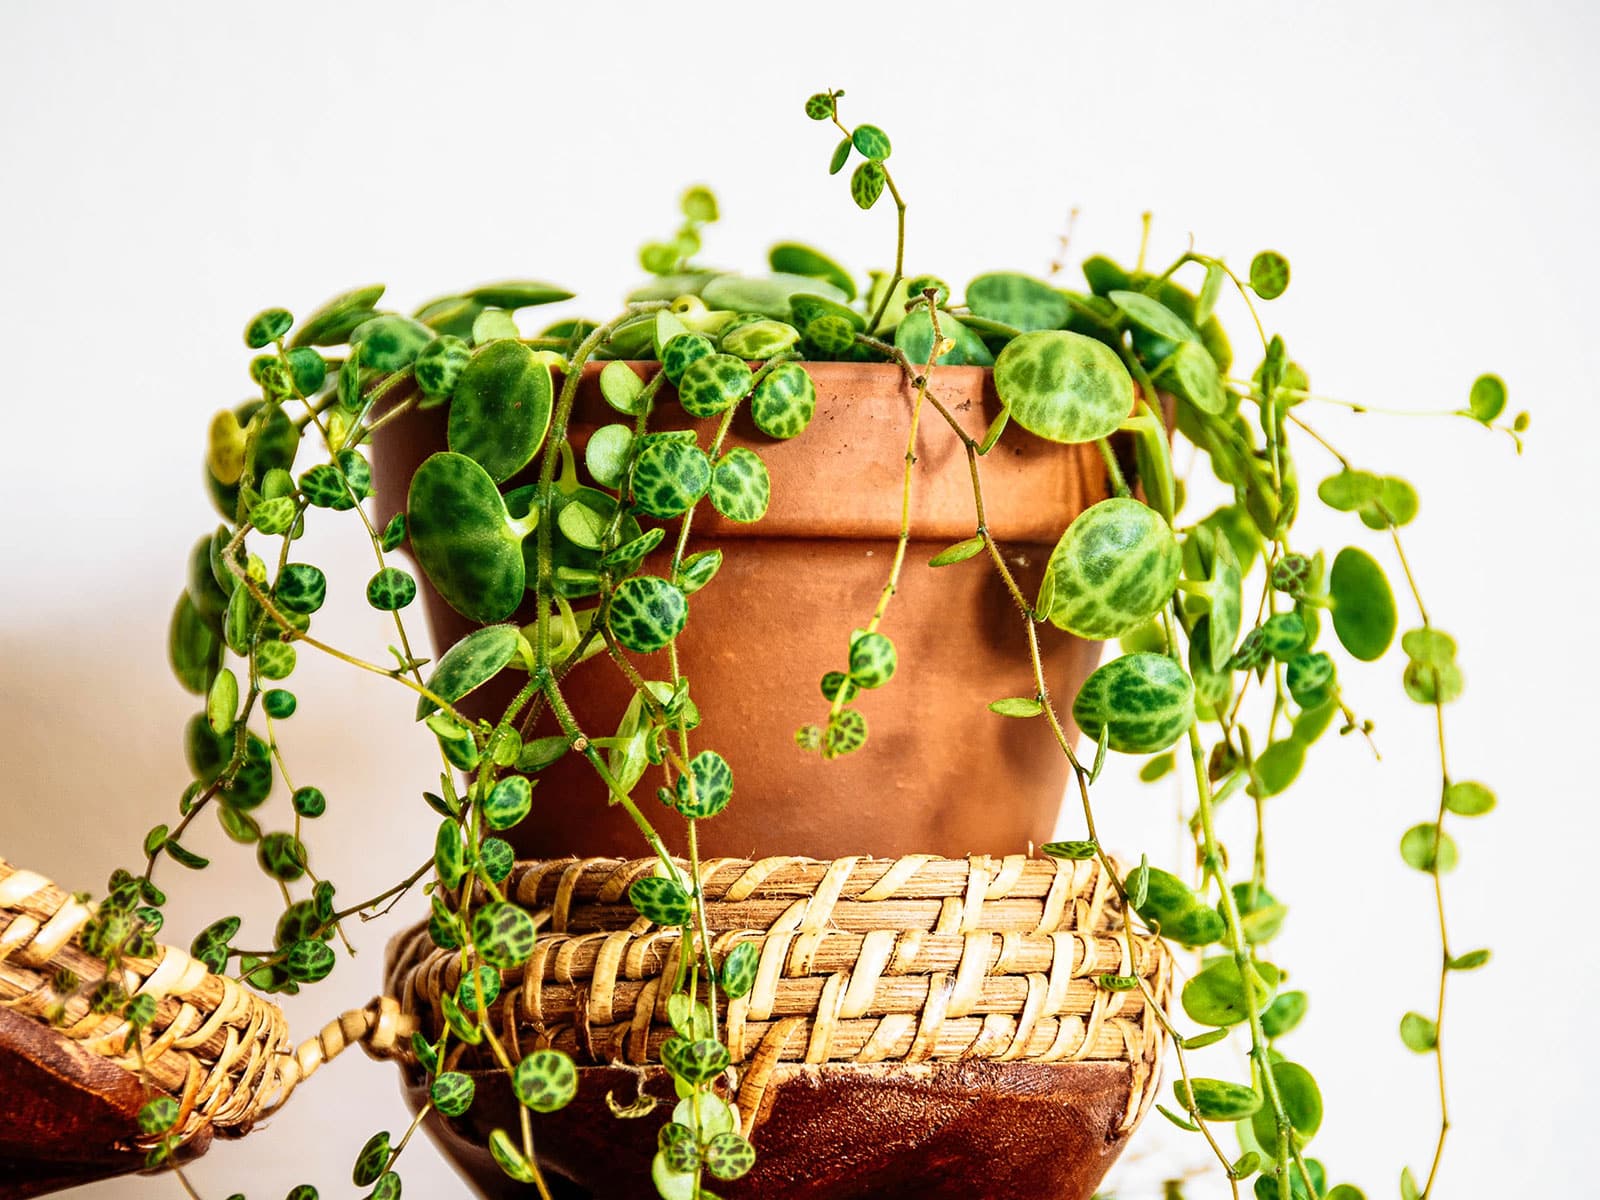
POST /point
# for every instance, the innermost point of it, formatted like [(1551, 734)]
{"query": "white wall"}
[(166, 170)]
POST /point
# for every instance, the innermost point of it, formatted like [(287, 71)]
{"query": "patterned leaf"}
[(670, 475), (508, 802), (712, 786), (464, 538), (872, 659), (712, 384), (1113, 569), (682, 350), (740, 486), (647, 612), (661, 900), (784, 401), (866, 184), (729, 1156), (391, 589), (545, 1081), (1020, 301), (452, 1093), (504, 934), (440, 364), (1144, 700), (1063, 386), (471, 663)]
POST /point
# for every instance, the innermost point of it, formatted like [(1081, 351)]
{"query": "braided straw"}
[(862, 960), (220, 1050)]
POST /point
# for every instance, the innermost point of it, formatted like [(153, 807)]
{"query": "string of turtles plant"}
[(1122, 358)]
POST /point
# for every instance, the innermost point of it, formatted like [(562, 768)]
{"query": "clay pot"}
[(940, 774)]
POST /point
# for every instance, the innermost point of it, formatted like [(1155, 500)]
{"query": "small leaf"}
[(1072, 851), (1468, 799), (706, 788), (391, 589), (1217, 1099), (222, 702), (1488, 398), (503, 934), (508, 802), (740, 487), (1419, 1033), (158, 1115), (1145, 699), (621, 387), (959, 552), (511, 1160), (1426, 846), (1115, 567), (1470, 961), (661, 900), (871, 142), (647, 612), (545, 1081), (783, 401), (866, 184), (1269, 274), (841, 155), (739, 969), (1284, 1013), (1016, 706)]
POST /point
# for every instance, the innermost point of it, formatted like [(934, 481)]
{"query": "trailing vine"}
[(1120, 364)]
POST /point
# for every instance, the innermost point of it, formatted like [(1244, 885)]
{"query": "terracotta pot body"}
[(954, 1131), (939, 774)]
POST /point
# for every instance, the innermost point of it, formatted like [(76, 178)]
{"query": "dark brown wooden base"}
[(889, 1131)]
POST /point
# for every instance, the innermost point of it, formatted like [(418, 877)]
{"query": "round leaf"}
[(464, 539), (783, 402), (1144, 701), (1063, 386), (501, 408), (740, 486), (1113, 569), (1020, 301), (647, 612), (1363, 605)]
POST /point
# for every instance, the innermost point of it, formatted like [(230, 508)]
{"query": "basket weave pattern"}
[(223, 1052), (913, 960)]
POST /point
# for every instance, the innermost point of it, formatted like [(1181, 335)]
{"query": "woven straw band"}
[(220, 1050), (918, 959)]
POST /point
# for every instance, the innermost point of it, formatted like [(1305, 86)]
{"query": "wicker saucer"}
[(918, 1027)]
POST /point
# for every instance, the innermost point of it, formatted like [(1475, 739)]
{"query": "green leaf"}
[(517, 293), (267, 327), (280, 855), (1363, 605), (511, 1160), (1020, 301), (698, 570), (694, 1062), (669, 475), (661, 900), (739, 969), (194, 647), (820, 107), (761, 339), (1284, 1013), (707, 787), (503, 934), (470, 663), (331, 324), (1216, 995), (391, 589), (452, 1093), (1115, 567), (371, 1161), (783, 402), (871, 142), (713, 384), (959, 552), (1153, 317), (1072, 851), (545, 1081), (1269, 274), (508, 802), (866, 184), (1217, 1099), (501, 409), (1062, 386), (771, 296), (740, 486), (1470, 961), (1278, 766), (841, 155), (390, 342), (1425, 846), (1146, 701), (792, 258), (440, 365), (872, 659), (1302, 1104), (1488, 398), (1468, 799), (465, 540), (309, 960), (1419, 1033), (621, 387), (1016, 706), (1172, 905), (647, 612), (1430, 647), (1210, 292), (581, 525), (158, 1115), (222, 702), (1190, 372), (914, 338), (1432, 684), (309, 802), (301, 588)]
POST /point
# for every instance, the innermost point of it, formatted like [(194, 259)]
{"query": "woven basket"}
[(73, 1084), (865, 963)]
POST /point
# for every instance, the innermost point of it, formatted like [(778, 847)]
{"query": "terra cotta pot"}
[(940, 774)]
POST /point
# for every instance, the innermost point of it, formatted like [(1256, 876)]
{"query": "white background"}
[(167, 170)]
